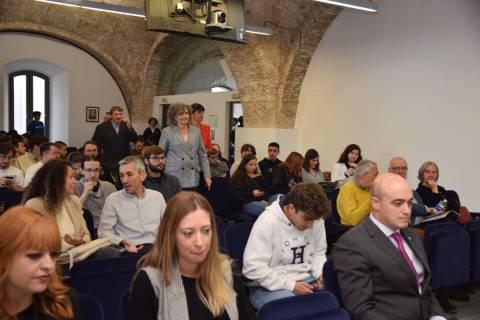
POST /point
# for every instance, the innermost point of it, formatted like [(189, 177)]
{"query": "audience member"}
[(353, 202), (113, 138), (152, 133), (218, 168), (76, 159), (36, 127), (33, 156), (431, 192), (30, 285), (382, 269), (48, 151), (52, 191), (249, 187), (10, 177), (216, 146), (271, 161), (168, 185), (62, 149), (185, 276), (90, 148), (287, 175), (19, 150), (198, 111), (246, 149), (130, 217), (138, 147), (398, 165), (186, 154), (91, 190), (311, 167), (286, 249), (346, 164)]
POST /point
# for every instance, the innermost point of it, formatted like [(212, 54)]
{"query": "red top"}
[(205, 130)]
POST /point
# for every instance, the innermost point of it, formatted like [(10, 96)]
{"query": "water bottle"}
[(441, 206)]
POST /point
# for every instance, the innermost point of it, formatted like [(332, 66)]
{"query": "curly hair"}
[(344, 156), (310, 198), (49, 184)]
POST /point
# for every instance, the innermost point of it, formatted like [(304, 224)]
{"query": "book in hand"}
[(438, 216)]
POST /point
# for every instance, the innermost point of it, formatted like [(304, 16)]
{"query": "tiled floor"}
[(469, 310)]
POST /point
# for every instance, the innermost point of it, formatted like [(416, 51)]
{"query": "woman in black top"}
[(287, 174), (30, 287), (184, 276), (429, 190), (151, 135), (248, 186)]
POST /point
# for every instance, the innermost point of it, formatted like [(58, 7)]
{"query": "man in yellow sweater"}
[(353, 202)]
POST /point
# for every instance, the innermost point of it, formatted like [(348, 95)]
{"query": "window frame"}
[(28, 117)]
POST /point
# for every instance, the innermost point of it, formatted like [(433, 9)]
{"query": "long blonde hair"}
[(211, 284), (23, 229)]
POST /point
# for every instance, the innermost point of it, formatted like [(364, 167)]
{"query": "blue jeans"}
[(254, 208), (260, 296)]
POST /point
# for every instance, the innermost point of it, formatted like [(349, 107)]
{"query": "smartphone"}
[(314, 284)]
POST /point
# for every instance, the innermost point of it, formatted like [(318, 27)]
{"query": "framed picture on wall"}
[(92, 114)]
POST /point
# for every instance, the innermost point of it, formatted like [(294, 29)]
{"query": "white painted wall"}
[(402, 82), (80, 81), (217, 106)]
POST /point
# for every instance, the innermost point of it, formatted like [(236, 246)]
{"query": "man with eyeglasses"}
[(398, 165), (10, 177), (168, 185), (91, 190)]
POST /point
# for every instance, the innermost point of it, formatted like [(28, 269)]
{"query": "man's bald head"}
[(398, 165), (392, 198)]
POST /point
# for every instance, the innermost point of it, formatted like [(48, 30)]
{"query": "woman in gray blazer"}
[(186, 154)]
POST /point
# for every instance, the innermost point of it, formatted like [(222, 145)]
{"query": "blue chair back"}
[(90, 307), (218, 196), (123, 310), (10, 197), (474, 228), (330, 280), (221, 232), (448, 248), (105, 279), (236, 237), (309, 306)]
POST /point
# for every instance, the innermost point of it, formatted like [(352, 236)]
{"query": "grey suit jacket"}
[(375, 280), (185, 159)]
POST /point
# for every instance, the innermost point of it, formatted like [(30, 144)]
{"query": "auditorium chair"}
[(330, 280), (236, 237), (90, 307), (105, 279), (321, 305)]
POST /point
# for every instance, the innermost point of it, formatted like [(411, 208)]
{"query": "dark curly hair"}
[(49, 184), (310, 198), (344, 156)]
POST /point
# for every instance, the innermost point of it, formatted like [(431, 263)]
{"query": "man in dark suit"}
[(381, 265), (113, 138)]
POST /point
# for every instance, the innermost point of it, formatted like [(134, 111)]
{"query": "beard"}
[(155, 168)]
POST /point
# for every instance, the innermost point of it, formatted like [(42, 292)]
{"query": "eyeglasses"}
[(93, 170), (155, 157), (399, 168)]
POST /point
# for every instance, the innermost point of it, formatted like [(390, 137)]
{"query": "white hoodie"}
[(278, 254)]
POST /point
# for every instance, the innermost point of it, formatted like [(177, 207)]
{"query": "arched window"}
[(28, 92)]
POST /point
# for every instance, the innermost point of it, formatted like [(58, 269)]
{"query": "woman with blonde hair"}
[(185, 276), (52, 191), (30, 287), (183, 145)]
